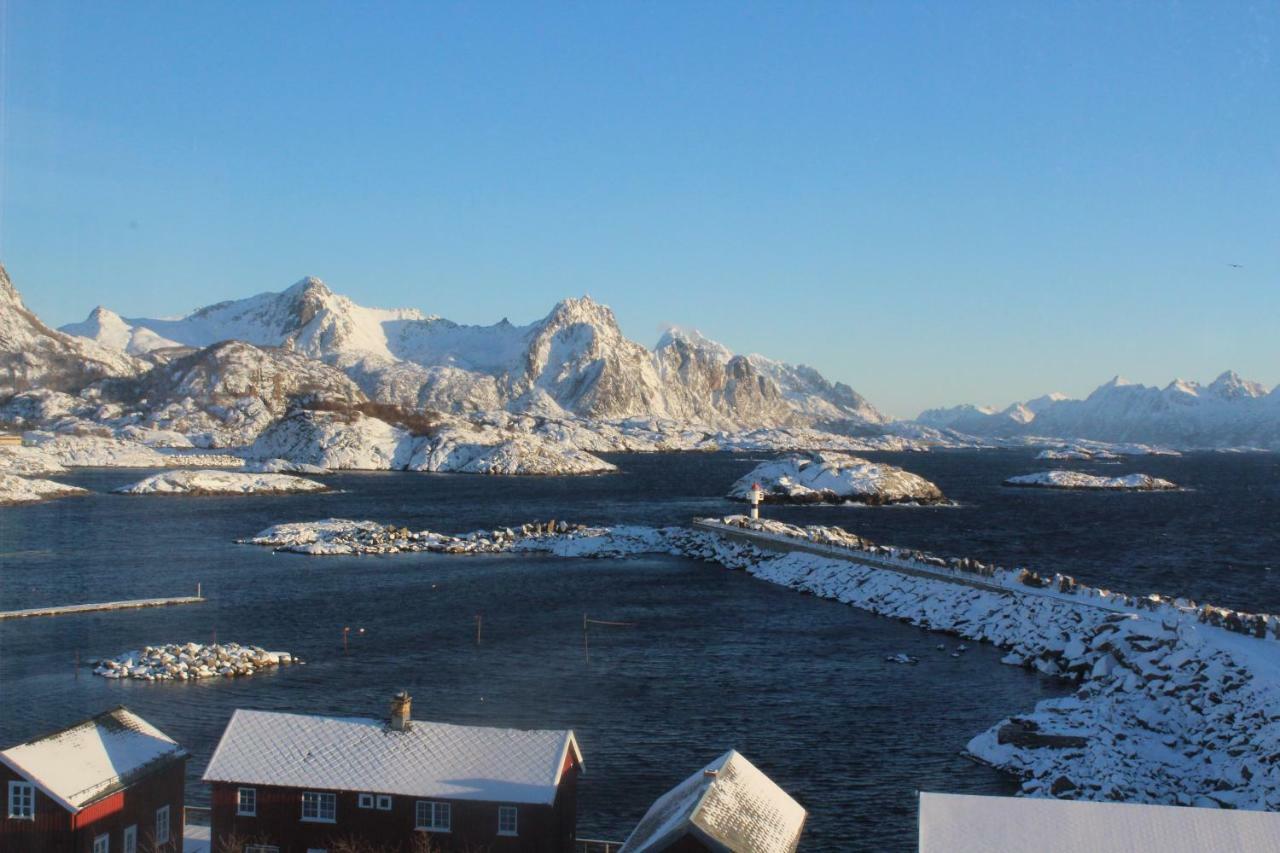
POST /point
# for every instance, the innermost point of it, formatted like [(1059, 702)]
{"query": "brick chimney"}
[(400, 717)]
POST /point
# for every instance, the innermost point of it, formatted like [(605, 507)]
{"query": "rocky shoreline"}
[(1089, 482), (1176, 702)]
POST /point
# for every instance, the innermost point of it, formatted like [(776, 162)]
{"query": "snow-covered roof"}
[(89, 760), (729, 805), (960, 823), (426, 760)]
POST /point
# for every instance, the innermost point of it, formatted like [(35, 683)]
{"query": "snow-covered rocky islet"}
[(205, 482), (23, 490), (191, 661), (820, 477), (1077, 480)]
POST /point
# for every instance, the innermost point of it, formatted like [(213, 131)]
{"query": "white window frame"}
[(22, 795), (365, 801), (102, 843), (318, 800), (162, 825), (131, 838), (513, 813), (384, 802), (434, 809), (252, 809)]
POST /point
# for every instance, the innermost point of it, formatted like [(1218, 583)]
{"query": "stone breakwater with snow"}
[(1176, 703), (192, 661), (1078, 480)]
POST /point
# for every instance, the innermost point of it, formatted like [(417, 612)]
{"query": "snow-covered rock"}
[(1077, 454), (191, 661), (283, 466), (97, 451), (834, 478), (21, 490), (203, 482), (28, 461), (1077, 480)]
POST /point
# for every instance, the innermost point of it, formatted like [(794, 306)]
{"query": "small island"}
[(1078, 480), (835, 478), (191, 482)]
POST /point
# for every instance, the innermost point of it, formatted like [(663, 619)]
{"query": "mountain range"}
[(573, 362), (1228, 412), (222, 374)]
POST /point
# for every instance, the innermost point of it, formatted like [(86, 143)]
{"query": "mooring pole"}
[(345, 631), (198, 595), (479, 625), (586, 647)]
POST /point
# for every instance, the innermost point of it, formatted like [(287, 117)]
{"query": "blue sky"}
[(936, 203)]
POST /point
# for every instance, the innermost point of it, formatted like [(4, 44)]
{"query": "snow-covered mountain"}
[(574, 361), (1228, 412), (34, 356)]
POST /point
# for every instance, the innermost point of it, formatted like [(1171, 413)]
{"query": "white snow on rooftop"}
[(82, 763), (962, 823), (728, 804), (358, 754)]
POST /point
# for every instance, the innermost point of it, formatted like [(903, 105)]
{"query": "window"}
[(322, 808), (247, 801), (261, 848), (507, 820), (366, 801), (22, 800), (102, 844), (162, 825), (384, 803), (131, 839), (436, 817)]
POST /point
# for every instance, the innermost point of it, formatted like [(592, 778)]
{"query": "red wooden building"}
[(111, 784), (296, 783)]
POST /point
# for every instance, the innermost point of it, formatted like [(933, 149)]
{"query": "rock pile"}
[(192, 661), (340, 536)]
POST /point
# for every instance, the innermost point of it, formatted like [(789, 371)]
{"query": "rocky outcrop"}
[(834, 478), (194, 482), (1089, 482), (191, 662), (25, 490)]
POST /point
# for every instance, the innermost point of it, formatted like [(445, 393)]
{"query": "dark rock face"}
[(1026, 734)]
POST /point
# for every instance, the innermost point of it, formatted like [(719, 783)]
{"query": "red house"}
[(295, 783), (111, 784)]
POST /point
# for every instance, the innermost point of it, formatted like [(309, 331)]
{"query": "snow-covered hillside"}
[(1228, 412), (574, 361)]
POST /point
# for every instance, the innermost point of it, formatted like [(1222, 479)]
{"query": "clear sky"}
[(937, 203)]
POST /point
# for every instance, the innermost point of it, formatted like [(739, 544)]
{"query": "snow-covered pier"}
[(133, 604)]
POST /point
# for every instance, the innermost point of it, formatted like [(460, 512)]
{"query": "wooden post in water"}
[(586, 647), (198, 595), (345, 631), (479, 624)]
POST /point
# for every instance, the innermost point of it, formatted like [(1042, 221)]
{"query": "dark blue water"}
[(716, 659)]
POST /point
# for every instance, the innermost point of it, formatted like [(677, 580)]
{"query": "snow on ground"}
[(1177, 703), (283, 466), (834, 478), (1078, 480), (197, 482), (175, 662), (28, 461), (1077, 454), (23, 490)]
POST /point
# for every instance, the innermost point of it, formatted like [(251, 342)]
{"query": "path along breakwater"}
[(1177, 703)]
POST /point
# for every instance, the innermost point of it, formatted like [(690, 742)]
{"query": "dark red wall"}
[(58, 831), (542, 829)]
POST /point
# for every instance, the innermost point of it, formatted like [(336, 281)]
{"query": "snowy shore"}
[(1176, 703), (198, 482), (1078, 480), (24, 490), (192, 661), (810, 478)]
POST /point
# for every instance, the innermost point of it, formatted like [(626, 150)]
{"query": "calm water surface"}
[(715, 660)]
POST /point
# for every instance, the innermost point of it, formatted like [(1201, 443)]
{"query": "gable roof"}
[(960, 823), (359, 754), (85, 762), (729, 806)]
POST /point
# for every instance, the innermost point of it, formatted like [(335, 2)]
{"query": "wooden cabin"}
[(110, 784), (729, 806), (293, 783)]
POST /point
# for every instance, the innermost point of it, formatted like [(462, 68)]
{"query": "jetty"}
[(132, 604)]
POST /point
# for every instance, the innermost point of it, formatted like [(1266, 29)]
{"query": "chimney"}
[(400, 719)]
